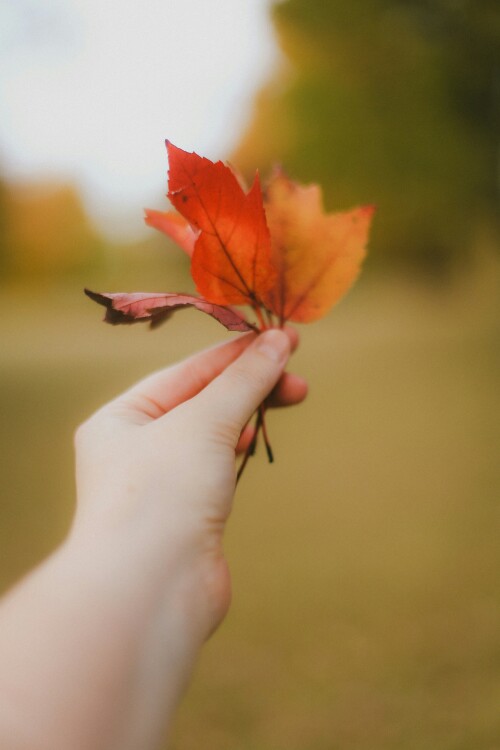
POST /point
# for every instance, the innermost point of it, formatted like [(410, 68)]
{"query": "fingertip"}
[(291, 389), (298, 389), (275, 345)]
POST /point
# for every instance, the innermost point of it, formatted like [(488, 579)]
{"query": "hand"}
[(165, 451)]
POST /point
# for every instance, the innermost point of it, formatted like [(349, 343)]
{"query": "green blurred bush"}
[(395, 103)]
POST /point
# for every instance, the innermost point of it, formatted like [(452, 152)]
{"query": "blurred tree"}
[(3, 228), (394, 102), (44, 231)]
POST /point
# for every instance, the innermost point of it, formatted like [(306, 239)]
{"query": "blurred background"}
[(366, 560)]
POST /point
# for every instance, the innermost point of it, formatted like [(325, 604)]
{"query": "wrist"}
[(156, 557)]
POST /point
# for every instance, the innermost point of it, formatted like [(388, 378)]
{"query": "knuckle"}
[(253, 380), (226, 433)]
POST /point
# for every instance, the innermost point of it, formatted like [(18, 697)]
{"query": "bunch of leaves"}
[(274, 252)]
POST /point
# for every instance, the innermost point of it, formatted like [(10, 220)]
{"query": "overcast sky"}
[(89, 90)]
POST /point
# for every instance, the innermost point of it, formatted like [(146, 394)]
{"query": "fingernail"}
[(274, 344)]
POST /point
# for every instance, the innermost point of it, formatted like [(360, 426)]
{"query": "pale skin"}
[(98, 643)]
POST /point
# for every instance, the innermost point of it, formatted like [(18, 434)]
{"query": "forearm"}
[(96, 645)]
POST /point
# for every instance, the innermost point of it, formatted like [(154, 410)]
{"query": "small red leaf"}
[(174, 226), (155, 308)]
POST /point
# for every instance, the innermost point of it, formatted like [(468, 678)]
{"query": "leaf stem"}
[(254, 328), (250, 451), (262, 322), (269, 450), (269, 316), (260, 425)]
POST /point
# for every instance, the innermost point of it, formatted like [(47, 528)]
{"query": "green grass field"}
[(366, 612)]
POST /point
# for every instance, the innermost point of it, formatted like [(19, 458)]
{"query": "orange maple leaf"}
[(317, 255)]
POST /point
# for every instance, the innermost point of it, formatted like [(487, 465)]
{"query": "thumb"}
[(232, 397)]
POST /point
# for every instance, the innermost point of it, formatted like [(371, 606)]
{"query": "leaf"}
[(156, 308), (317, 255), (174, 226), (231, 262)]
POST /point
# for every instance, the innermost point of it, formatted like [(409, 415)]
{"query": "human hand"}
[(161, 457)]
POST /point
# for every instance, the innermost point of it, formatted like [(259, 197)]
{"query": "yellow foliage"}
[(45, 229)]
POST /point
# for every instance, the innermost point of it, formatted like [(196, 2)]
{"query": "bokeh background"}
[(366, 560)]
